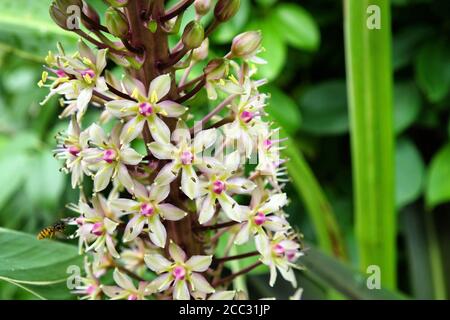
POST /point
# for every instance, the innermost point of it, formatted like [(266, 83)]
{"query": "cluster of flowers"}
[(166, 210)]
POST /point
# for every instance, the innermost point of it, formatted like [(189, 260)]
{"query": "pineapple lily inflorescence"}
[(201, 189)]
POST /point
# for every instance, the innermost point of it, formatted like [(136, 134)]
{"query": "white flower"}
[(147, 209), (147, 109), (96, 226), (76, 78), (184, 275), (259, 216), (110, 158), (70, 147), (220, 183), (184, 155), (125, 288), (280, 253)]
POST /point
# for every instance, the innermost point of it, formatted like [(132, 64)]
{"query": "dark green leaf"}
[(324, 108), (438, 186)]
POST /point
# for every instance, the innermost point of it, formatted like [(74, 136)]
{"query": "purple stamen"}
[(278, 249), (60, 73), (179, 273), (97, 229), (74, 150), (246, 116), (260, 218), (218, 186), (145, 109), (109, 155), (147, 209), (88, 72), (187, 157), (267, 144), (132, 297)]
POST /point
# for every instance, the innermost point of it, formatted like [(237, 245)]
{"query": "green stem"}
[(369, 78)]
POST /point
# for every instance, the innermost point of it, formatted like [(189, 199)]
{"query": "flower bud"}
[(202, 6), (226, 9), (61, 12), (246, 44), (216, 69), (193, 35), (116, 23), (201, 52), (117, 3), (90, 12)]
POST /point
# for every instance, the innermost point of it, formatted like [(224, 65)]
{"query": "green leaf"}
[(433, 70), (410, 173), (324, 108), (39, 266), (438, 186), (27, 28), (274, 48), (297, 26), (405, 44), (283, 109), (334, 274), (45, 182), (406, 106)]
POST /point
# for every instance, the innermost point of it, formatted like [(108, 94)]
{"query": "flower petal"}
[(199, 263), (130, 156), (132, 129), (177, 254), (159, 192), (207, 209), (230, 207), (204, 139), (170, 212), (240, 185), (232, 161), (223, 295), (102, 177), (124, 177), (199, 283), (161, 283), (157, 262), (181, 291), (126, 205), (160, 86), (123, 281), (134, 228), (275, 203), (162, 151), (159, 130), (171, 109), (167, 174), (158, 233), (97, 135), (121, 108), (189, 182)]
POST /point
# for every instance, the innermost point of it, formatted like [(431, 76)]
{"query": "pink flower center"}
[(187, 157), (218, 186), (246, 116), (88, 72), (267, 143), (91, 289), (260, 218), (132, 297), (278, 249), (73, 150), (179, 273), (291, 255), (145, 109), (60, 73), (147, 209), (109, 155), (97, 229), (79, 221)]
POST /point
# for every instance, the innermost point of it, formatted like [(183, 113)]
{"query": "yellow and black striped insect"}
[(50, 232)]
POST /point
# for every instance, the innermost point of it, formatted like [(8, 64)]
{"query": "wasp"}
[(50, 231)]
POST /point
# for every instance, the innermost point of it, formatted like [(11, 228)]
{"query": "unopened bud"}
[(226, 9), (201, 52), (202, 6), (246, 44), (116, 23), (66, 13), (92, 14), (193, 35), (117, 3), (216, 69)]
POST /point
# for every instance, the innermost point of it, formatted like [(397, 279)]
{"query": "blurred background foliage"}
[(304, 47)]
